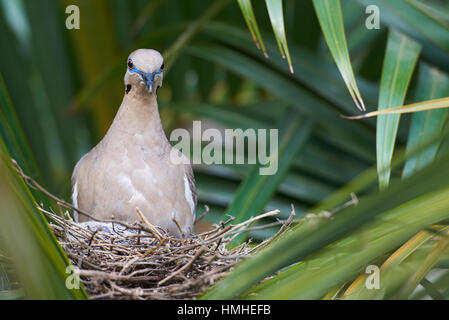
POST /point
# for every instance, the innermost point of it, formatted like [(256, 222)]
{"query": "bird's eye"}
[(162, 66), (130, 64)]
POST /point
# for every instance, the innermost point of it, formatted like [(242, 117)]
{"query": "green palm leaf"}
[(276, 14), (331, 21), (248, 13), (399, 62), (432, 84)]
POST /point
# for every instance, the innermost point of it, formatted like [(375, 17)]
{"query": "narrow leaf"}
[(248, 13), (276, 14), (408, 108), (331, 20), (426, 125), (425, 267), (399, 63)]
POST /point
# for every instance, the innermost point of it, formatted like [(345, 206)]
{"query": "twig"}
[(288, 222), (280, 231), (200, 252), (206, 211), (179, 227), (91, 239), (149, 225)]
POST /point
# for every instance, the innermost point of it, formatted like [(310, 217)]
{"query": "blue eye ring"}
[(131, 66)]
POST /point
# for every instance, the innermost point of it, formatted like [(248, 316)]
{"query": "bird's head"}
[(144, 70)]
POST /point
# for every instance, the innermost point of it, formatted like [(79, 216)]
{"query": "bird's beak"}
[(148, 79)]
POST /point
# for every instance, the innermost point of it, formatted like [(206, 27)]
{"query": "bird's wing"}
[(77, 175)]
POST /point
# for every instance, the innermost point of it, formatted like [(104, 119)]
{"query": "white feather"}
[(188, 194), (75, 201)]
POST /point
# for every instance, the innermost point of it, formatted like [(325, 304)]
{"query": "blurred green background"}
[(60, 90)]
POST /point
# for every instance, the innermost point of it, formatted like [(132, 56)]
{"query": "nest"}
[(116, 260), (139, 262)]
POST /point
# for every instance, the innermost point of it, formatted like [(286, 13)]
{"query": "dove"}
[(131, 169)]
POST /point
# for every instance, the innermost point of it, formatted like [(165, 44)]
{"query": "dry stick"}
[(206, 211), (91, 239), (223, 224), (252, 219), (266, 226), (76, 257), (62, 222), (222, 232), (217, 227), (240, 226), (149, 251), (284, 226), (221, 239), (354, 201), (152, 228), (105, 275), (129, 292), (109, 294), (289, 221), (183, 267), (179, 227)]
